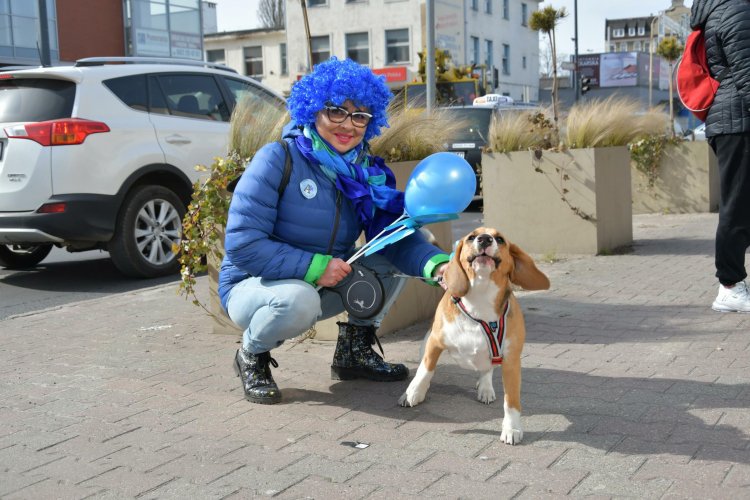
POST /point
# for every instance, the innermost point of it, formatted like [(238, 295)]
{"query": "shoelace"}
[(265, 358)]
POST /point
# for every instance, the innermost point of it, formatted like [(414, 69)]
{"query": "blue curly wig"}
[(336, 81)]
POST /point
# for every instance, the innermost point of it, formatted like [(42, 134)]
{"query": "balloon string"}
[(364, 248), (374, 240)]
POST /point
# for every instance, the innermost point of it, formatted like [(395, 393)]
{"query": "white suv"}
[(102, 155)]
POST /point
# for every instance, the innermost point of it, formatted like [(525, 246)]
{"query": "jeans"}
[(272, 311), (733, 232)]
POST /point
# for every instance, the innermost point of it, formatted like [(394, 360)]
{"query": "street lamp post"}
[(651, 63), (576, 86)]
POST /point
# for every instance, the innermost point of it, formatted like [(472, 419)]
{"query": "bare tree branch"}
[(271, 14)]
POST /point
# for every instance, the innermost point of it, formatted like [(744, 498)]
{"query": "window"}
[(397, 46), (524, 14), (488, 54), (215, 56), (618, 32), (190, 96), (637, 46), (631, 31), (242, 90), (282, 51), (488, 6), (523, 62), (316, 3), (506, 9), (253, 61), (475, 50), (131, 90), (358, 47), (474, 4), (641, 30), (506, 59), (35, 99), (321, 49), (646, 47)]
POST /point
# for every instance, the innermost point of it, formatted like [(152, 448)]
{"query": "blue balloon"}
[(442, 183)]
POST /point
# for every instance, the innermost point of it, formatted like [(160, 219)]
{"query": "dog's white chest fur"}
[(464, 338)]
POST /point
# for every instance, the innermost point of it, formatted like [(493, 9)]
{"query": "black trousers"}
[(733, 232)]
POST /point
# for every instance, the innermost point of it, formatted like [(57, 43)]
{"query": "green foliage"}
[(546, 19), (647, 152), (670, 49)]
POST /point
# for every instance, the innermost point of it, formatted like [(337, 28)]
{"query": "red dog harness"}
[(494, 330)]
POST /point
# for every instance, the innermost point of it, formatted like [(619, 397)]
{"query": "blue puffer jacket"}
[(277, 238)]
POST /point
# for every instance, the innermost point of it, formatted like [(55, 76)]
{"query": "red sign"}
[(397, 74)]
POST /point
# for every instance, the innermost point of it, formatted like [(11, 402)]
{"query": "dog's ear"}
[(525, 273), (455, 276)]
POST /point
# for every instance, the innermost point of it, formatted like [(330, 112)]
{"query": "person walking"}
[(285, 248), (726, 27)]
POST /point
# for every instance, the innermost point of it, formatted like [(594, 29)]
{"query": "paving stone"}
[(633, 387)]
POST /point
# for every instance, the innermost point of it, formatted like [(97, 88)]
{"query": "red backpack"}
[(695, 85)]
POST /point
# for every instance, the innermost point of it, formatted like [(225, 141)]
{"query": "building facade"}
[(387, 35), (643, 34), (91, 28)]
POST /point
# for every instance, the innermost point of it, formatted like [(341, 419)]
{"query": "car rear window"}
[(35, 99), (477, 121)]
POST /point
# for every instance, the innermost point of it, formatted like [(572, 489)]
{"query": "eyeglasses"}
[(338, 114)]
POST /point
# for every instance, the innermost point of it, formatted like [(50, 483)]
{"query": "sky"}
[(242, 14)]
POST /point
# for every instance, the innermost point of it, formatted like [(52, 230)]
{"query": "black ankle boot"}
[(257, 380), (355, 357)]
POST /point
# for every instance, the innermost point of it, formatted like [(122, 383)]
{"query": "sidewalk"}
[(633, 387)]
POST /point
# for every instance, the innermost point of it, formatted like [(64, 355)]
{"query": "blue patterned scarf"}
[(363, 179)]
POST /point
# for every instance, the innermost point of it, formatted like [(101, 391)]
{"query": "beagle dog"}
[(480, 323)]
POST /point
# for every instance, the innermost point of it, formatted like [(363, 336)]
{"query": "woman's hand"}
[(438, 275), (336, 270)]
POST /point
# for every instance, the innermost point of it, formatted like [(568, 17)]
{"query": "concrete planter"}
[(415, 304), (572, 202), (687, 181)]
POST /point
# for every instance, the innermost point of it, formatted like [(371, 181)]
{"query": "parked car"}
[(102, 155), (699, 132)]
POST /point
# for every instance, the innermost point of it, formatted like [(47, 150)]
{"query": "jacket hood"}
[(700, 11), (291, 130)]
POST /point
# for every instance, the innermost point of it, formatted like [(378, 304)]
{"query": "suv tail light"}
[(65, 132)]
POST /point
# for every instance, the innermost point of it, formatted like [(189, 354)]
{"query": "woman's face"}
[(347, 134)]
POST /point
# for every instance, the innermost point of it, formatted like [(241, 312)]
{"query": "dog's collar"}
[(494, 330)]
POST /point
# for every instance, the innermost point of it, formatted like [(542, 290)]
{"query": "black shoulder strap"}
[(284, 177), (287, 168)]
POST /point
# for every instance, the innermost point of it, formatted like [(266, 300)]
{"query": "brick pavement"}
[(633, 387)]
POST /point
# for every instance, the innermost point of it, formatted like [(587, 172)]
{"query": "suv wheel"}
[(23, 256), (149, 224)]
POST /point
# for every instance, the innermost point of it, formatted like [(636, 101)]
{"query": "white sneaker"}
[(735, 299)]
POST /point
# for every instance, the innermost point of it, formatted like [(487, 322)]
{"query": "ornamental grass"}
[(413, 134), (615, 121)]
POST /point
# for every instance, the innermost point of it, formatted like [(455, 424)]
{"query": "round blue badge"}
[(309, 188)]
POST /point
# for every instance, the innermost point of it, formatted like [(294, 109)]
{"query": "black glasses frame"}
[(353, 115)]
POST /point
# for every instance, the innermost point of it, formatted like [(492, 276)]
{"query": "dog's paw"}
[(411, 398), (511, 436), (512, 429), (485, 390), (485, 393)]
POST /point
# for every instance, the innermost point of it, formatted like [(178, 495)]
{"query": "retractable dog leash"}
[(362, 291)]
